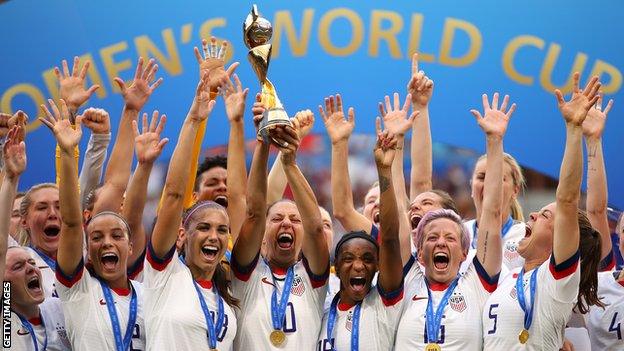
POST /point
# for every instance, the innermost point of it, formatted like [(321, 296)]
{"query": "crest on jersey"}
[(511, 251), (298, 287), (349, 323), (457, 302)]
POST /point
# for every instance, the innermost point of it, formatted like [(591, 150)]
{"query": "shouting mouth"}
[(358, 284), (285, 241), (222, 200), (441, 260), (52, 231), (109, 261), (210, 252)]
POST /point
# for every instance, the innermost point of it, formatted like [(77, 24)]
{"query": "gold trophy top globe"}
[(257, 30)]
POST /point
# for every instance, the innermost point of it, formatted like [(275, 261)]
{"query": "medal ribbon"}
[(212, 330), (528, 312), (279, 310), (31, 331), (355, 329), (435, 320), (120, 345), (506, 226), (47, 259)]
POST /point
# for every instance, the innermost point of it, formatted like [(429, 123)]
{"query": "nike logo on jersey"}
[(103, 303), (22, 332), (416, 298), (265, 281)]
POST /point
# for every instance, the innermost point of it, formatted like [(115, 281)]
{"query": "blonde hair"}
[(517, 176), (23, 234)]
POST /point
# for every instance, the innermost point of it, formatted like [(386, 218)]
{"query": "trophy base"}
[(276, 116)]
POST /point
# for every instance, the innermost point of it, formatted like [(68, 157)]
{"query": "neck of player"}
[(283, 264), (532, 263), (346, 298), (119, 283), (48, 253), (200, 274), (28, 311)]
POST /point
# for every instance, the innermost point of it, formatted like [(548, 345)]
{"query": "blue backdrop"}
[(360, 49)]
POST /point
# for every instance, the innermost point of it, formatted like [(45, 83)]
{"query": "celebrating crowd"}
[(230, 264)]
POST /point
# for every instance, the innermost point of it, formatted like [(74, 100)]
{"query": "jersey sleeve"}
[(73, 285), (317, 281), (608, 262), (245, 279), (411, 271), (479, 281), (158, 270), (562, 280)]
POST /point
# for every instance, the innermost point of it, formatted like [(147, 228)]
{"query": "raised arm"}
[(95, 155), (302, 123), (148, 147), (170, 215), (14, 157), (234, 97), (566, 237), (339, 131), (390, 264), (396, 122), (420, 87), (71, 241), (120, 163), (494, 124), (314, 246), (596, 202)]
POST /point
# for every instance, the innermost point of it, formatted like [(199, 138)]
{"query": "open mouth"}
[(440, 260), (210, 251), (52, 231), (222, 200), (376, 217), (285, 241), (358, 283), (109, 260), (414, 220), (527, 231), (34, 284)]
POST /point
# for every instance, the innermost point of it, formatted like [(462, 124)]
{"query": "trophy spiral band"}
[(257, 32)]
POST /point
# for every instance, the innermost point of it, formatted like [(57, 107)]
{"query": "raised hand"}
[(303, 122), (494, 120), (385, 147), (420, 87), (575, 110), (234, 97), (14, 153), (213, 63), (97, 120), (148, 145), (337, 127), (394, 117), (202, 104), (594, 123), (141, 88), (20, 118), (72, 86), (287, 141), (66, 136), (257, 110)]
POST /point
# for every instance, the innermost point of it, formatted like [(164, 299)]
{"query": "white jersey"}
[(50, 325), (333, 287), (511, 257), (379, 317), (460, 328), (86, 314), (47, 273), (174, 316), (555, 296), (253, 286), (606, 326)]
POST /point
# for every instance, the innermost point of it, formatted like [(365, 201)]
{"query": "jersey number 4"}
[(616, 327)]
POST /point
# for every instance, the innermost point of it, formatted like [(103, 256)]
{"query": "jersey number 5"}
[(493, 316)]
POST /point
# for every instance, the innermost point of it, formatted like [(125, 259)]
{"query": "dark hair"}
[(447, 201), (209, 163), (220, 276), (590, 252), (354, 235)]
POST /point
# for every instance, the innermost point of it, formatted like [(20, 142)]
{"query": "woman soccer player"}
[(532, 304)]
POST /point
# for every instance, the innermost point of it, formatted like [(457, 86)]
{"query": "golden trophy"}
[(257, 32)]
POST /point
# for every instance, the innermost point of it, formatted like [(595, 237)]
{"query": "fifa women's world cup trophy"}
[(257, 32)]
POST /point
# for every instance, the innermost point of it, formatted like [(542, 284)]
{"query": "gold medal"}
[(277, 337), (432, 347), (523, 336)]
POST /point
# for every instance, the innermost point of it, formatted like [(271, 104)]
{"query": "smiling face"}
[(283, 233), (538, 239), (423, 203), (26, 282), (356, 265), (109, 247), (213, 186), (43, 219), (510, 189), (207, 233), (441, 251), (371, 205)]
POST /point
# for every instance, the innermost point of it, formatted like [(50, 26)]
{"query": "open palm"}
[(141, 88), (72, 86), (594, 123), (67, 136), (338, 128), (148, 145), (495, 120), (394, 117), (575, 110)]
